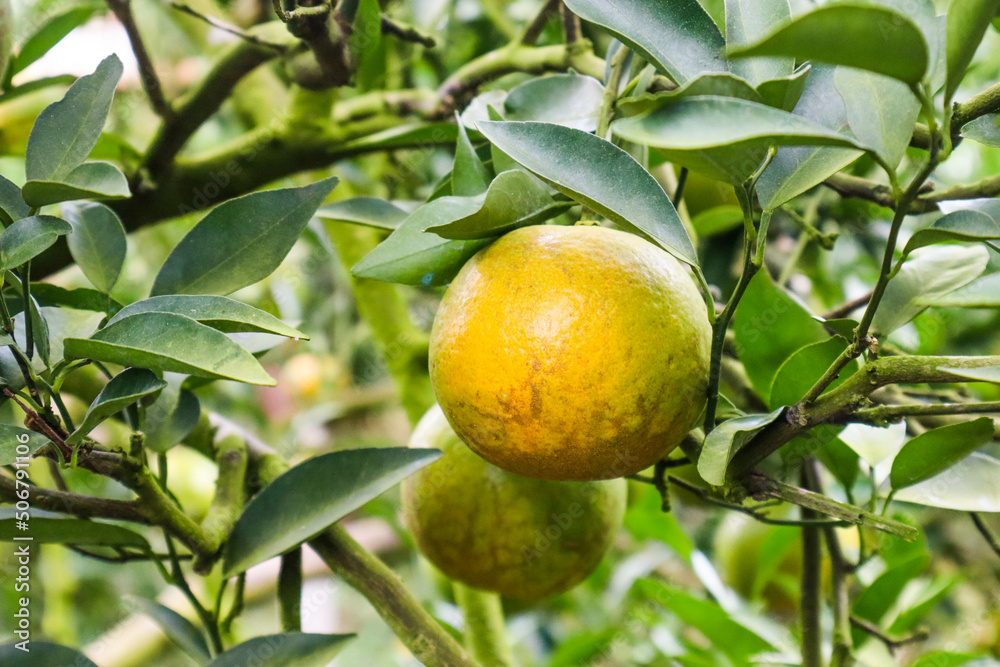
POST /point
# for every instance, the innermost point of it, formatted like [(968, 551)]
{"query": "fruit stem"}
[(485, 635), (811, 607)]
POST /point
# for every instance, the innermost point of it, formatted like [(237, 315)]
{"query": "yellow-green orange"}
[(571, 353), (497, 531)]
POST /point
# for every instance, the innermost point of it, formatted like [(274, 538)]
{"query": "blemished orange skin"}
[(571, 353)]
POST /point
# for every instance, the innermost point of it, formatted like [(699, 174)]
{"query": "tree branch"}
[(85, 507), (884, 415), (150, 81)]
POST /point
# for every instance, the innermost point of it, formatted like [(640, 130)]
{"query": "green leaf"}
[(985, 130), (872, 443), (746, 20), (597, 174), (736, 641), (366, 46), (291, 649), (881, 111), (74, 531), (928, 274), (169, 342), (414, 257), (949, 659), (770, 327), (721, 85), (172, 416), (42, 654), (795, 169), (469, 175), (122, 391), (67, 130), (51, 33), (985, 374), (90, 180), (240, 242), (685, 129), (97, 242), (180, 630), (876, 600), (417, 135), (81, 298), (28, 238), (12, 204), (801, 371), (679, 37), (571, 100), (967, 24), (219, 312), (881, 40), (6, 39), (935, 451), (514, 199), (717, 220), (968, 486), (917, 609), (288, 511), (981, 293), (963, 226), (12, 437), (367, 211), (725, 440), (784, 93)]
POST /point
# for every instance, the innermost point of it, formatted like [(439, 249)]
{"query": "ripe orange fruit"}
[(571, 353), (491, 529)]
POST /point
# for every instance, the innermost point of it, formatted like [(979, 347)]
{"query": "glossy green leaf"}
[(917, 609), (967, 24), (90, 180), (289, 511), (949, 659), (928, 274), (368, 46), (514, 199), (725, 440), (801, 371), (42, 654), (746, 20), (97, 242), (679, 37), (12, 437), (51, 33), (414, 257), (418, 135), (12, 204), (881, 40), (172, 416), (597, 174), (169, 342), (6, 38), (720, 85), (881, 111), (28, 238), (784, 93), (968, 486), (67, 130), (963, 226), (770, 327), (935, 451), (981, 293), (795, 169), (984, 130), (367, 211), (874, 444), (122, 391), (877, 599), (81, 298), (240, 242), (291, 649), (985, 374), (469, 176), (700, 123), (572, 100), (74, 531), (181, 631), (40, 328), (219, 312), (717, 220)]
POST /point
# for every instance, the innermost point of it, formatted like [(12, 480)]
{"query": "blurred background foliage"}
[(698, 586)]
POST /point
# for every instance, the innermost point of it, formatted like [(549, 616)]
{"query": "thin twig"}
[(891, 643), (571, 25), (990, 537), (406, 33), (885, 414), (225, 27), (537, 25), (150, 81), (845, 309)]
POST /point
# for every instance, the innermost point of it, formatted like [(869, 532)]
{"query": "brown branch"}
[(891, 643), (571, 24), (85, 507), (878, 193), (122, 9), (986, 102), (886, 414), (845, 309), (406, 33), (984, 530), (537, 25)]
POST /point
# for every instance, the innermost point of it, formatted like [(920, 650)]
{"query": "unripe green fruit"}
[(497, 531)]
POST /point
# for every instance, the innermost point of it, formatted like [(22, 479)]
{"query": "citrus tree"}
[(738, 259)]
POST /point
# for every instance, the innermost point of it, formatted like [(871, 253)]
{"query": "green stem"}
[(205, 616), (290, 591), (485, 636), (618, 62), (887, 414), (811, 602), (227, 504), (839, 569), (29, 337), (364, 572), (988, 535)]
